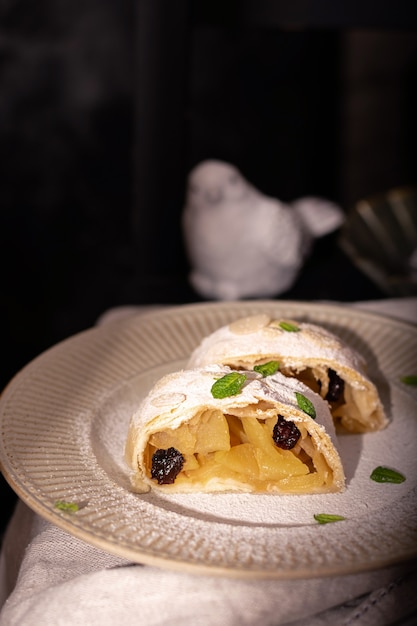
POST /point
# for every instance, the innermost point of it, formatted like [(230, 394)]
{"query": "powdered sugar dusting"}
[(264, 340), (358, 452)]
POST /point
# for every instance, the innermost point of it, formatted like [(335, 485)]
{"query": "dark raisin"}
[(336, 386), (166, 465), (285, 434)]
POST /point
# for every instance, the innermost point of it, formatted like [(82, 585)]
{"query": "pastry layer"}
[(261, 439), (306, 351)]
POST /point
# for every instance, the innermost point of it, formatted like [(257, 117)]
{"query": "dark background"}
[(106, 106)]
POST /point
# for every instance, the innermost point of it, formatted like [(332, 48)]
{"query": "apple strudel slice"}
[(306, 351), (216, 429)]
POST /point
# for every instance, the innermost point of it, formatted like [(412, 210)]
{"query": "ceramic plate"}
[(64, 420)]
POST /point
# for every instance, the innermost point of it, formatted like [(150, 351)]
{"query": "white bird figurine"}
[(242, 243)]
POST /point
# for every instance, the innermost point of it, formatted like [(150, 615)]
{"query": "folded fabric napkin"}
[(50, 578)]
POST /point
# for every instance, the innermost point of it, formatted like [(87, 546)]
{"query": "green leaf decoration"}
[(409, 380), (228, 385), (305, 405), (383, 474), (326, 518), (68, 507), (290, 328), (267, 369)]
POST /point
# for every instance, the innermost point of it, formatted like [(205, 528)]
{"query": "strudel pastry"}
[(215, 429), (306, 351)]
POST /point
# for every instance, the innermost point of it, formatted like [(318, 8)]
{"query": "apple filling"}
[(352, 407), (243, 446)]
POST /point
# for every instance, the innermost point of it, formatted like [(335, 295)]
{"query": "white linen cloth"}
[(50, 578)]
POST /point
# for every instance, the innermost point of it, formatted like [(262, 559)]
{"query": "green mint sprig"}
[(305, 405), (326, 518), (267, 369), (228, 385), (68, 507), (383, 474), (289, 327)]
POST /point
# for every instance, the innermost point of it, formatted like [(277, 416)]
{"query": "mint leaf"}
[(228, 385), (326, 518), (69, 507), (290, 328), (383, 474), (267, 369), (409, 380), (305, 405)]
